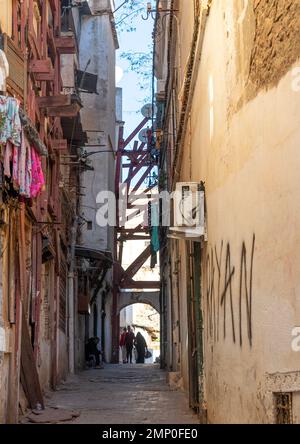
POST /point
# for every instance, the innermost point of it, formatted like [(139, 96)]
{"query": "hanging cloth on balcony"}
[(38, 181), (155, 246), (10, 123)]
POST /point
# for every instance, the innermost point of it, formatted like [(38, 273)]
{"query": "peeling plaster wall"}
[(97, 47), (243, 141), (99, 120), (6, 14), (276, 45)]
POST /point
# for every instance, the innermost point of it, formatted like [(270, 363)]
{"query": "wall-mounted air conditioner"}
[(189, 212)]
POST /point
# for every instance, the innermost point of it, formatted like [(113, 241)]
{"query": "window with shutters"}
[(16, 83)]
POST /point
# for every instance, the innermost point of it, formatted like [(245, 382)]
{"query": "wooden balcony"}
[(42, 69), (63, 105), (54, 101), (66, 44)]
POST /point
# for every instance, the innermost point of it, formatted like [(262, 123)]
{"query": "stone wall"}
[(276, 44), (243, 142)]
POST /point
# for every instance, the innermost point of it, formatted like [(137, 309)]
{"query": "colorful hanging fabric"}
[(155, 227), (22, 163), (28, 176), (22, 166), (10, 124), (8, 149), (15, 160), (37, 175)]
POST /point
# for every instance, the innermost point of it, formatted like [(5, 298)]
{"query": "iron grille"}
[(284, 408)]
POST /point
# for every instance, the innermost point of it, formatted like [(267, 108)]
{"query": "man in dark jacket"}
[(129, 341), (91, 349)]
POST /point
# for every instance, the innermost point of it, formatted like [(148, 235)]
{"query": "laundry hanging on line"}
[(22, 164)]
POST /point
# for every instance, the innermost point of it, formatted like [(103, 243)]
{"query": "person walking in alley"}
[(141, 348), (123, 346), (129, 342), (91, 350)]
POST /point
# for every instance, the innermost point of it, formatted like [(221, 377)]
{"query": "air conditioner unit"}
[(189, 212)]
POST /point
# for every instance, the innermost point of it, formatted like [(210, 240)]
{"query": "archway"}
[(127, 298), (143, 318)]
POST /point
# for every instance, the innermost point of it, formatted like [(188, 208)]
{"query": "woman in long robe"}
[(141, 347)]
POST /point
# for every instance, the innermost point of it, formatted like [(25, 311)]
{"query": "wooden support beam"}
[(45, 77), (64, 111), (54, 101), (136, 230), (129, 237), (59, 144), (135, 132), (65, 44), (133, 172), (150, 188), (144, 176), (137, 264), (140, 285), (40, 66)]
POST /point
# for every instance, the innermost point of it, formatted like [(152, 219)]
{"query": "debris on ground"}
[(51, 415)]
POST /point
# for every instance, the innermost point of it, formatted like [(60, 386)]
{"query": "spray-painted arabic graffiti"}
[(228, 312)]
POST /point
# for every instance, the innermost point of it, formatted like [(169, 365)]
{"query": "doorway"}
[(195, 326), (143, 319)]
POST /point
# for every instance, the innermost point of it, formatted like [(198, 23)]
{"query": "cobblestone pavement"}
[(123, 394)]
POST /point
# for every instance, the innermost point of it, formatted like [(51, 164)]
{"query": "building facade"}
[(100, 119), (34, 228), (228, 96), (56, 108)]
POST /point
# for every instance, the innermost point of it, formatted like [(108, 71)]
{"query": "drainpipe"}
[(71, 298)]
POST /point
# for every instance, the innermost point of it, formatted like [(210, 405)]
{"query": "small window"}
[(284, 408)]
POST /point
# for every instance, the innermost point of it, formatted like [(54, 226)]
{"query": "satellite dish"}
[(143, 136), (147, 110)]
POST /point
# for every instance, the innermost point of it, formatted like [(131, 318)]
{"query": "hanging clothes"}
[(28, 176), (37, 175), (155, 227), (15, 161), (8, 150), (22, 164), (10, 125)]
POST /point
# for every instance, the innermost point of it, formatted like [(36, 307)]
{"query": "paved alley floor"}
[(123, 394)]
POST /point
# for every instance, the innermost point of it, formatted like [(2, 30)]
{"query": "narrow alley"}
[(118, 395)]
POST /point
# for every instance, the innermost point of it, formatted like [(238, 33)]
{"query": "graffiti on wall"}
[(229, 293)]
